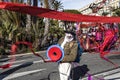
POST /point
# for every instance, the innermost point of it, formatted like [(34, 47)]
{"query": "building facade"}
[(106, 7)]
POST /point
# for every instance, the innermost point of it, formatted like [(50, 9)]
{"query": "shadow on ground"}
[(10, 71)]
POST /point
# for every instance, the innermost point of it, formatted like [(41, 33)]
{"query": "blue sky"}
[(75, 4)]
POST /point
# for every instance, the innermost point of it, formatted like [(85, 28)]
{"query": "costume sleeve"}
[(70, 54)]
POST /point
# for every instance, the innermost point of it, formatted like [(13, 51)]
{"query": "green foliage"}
[(13, 25), (10, 22), (117, 12), (72, 11), (105, 13)]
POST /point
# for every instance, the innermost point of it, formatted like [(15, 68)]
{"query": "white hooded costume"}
[(65, 68)]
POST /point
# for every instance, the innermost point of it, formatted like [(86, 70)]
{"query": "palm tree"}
[(10, 24), (54, 4), (36, 27), (57, 5)]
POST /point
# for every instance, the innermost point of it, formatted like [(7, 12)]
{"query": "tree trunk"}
[(35, 3), (35, 27), (28, 20), (46, 5)]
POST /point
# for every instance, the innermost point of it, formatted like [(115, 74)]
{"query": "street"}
[(38, 24), (30, 67)]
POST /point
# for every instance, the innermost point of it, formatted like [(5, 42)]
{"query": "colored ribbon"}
[(42, 12), (12, 53), (14, 49)]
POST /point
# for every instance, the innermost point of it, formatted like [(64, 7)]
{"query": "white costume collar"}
[(66, 39)]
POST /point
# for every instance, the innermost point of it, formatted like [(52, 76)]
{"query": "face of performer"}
[(69, 37)]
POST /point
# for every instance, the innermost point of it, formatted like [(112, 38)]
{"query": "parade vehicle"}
[(101, 38)]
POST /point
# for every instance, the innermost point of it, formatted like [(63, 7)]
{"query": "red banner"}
[(42, 12)]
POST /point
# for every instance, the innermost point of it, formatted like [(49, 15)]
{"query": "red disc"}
[(55, 53)]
